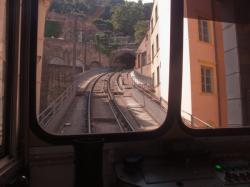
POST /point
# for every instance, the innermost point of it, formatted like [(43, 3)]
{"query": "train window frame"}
[(10, 103), (11, 159), (69, 139), (173, 122), (220, 131), (3, 144)]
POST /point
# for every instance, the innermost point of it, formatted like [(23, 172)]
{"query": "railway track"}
[(104, 115)]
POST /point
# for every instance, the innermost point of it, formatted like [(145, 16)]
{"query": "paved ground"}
[(74, 121)]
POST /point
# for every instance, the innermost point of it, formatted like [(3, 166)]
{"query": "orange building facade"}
[(207, 69)]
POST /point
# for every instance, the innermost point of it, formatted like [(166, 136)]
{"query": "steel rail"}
[(116, 109), (90, 100)]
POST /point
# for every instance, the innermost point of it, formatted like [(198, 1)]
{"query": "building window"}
[(144, 59), (153, 78), (139, 60), (156, 14), (206, 79), (152, 25), (203, 30), (153, 52), (157, 42), (158, 76)]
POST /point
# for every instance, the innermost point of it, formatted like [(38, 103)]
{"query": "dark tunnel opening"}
[(125, 61)]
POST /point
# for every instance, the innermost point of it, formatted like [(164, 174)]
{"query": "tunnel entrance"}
[(124, 61)]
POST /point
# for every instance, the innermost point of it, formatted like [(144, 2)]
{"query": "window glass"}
[(97, 67), (203, 30), (206, 77), (2, 61), (216, 71)]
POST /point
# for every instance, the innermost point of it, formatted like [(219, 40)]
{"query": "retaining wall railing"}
[(194, 122), (50, 118), (145, 85), (54, 108)]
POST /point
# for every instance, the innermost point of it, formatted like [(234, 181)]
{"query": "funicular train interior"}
[(124, 93)]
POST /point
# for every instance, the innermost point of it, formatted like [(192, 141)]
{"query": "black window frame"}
[(10, 105), (12, 157), (173, 120), (4, 144)]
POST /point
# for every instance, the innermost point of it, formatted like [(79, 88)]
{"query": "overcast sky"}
[(144, 1)]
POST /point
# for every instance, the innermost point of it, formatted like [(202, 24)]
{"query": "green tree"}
[(104, 25), (125, 16), (141, 28)]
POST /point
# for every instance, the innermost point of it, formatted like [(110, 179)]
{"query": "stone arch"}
[(123, 58)]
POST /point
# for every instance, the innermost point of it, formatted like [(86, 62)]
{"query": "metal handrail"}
[(147, 88), (144, 79), (192, 122), (53, 108)]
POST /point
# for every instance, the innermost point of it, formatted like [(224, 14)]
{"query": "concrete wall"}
[(234, 103), (160, 59)]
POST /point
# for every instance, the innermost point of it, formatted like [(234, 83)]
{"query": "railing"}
[(143, 80), (146, 86), (46, 116), (194, 122)]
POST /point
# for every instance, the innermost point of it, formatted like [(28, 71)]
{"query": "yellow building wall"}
[(209, 107)]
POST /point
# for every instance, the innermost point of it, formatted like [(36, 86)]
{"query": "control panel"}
[(232, 172), (195, 172)]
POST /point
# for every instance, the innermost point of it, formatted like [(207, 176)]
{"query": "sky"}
[(144, 1)]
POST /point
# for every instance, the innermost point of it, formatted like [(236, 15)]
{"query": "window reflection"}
[(2, 60)]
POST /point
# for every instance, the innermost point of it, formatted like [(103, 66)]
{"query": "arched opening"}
[(125, 60)]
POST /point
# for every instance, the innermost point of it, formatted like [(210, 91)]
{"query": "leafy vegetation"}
[(117, 18), (105, 43), (140, 28), (79, 7), (104, 25)]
